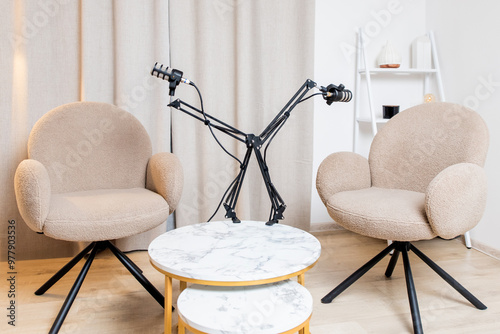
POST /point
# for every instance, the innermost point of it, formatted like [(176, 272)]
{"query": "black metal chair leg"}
[(392, 263), (108, 243), (412, 295), (72, 294), (357, 274), (64, 270), (444, 275), (137, 274)]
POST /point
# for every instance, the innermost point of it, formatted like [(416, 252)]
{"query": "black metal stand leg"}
[(137, 274), (72, 293), (64, 270), (444, 275), (412, 294), (278, 206), (357, 274), (392, 263), (232, 197)]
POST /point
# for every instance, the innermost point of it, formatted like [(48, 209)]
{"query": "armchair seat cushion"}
[(104, 214), (391, 214)]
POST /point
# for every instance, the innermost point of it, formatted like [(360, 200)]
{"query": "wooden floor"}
[(112, 301)]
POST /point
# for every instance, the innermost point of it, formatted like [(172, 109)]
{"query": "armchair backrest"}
[(418, 143), (91, 145)]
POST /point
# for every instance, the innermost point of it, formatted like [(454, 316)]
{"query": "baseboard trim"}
[(486, 249), (325, 227)]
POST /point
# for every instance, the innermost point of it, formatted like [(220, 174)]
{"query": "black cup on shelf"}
[(389, 111)]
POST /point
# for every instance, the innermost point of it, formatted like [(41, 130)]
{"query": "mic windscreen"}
[(160, 72), (346, 96)]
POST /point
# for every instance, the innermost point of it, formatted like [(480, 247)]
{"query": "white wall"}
[(399, 21), (467, 36), (469, 51)]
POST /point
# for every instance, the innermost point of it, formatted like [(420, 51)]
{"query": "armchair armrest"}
[(455, 199), (165, 177), (342, 171), (33, 192)]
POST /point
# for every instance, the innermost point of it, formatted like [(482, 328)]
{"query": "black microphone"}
[(334, 93), (173, 76)]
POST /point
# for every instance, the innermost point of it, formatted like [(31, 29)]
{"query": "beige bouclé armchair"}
[(424, 178), (91, 177)]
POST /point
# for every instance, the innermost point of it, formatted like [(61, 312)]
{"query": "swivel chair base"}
[(403, 248), (93, 248)]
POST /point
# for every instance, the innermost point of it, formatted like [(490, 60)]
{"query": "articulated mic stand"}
[(253, 142)]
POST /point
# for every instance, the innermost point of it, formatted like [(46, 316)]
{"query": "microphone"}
[(333, 93), (173, 76)]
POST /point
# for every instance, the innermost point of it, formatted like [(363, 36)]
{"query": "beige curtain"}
[(248, 58), (61, 51)]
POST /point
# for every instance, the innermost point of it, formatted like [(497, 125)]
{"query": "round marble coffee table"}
[(227, 254)]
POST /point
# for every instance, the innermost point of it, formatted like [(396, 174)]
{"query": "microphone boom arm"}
[(254, 144), (216, 124), (283, 115)]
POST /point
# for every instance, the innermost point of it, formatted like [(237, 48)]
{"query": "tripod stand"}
[(254, 143)]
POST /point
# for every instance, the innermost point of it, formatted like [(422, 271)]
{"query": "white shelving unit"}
[(363, 71)]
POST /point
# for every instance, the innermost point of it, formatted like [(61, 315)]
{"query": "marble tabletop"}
[(226, 252), (264, 309)]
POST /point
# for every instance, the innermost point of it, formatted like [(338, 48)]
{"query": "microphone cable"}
[(307, 98), (207, 123)]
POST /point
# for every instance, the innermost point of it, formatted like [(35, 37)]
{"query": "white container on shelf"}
[(421, 53)]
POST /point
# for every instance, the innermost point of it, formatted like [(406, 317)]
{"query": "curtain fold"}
[(41, 55), (248, 58), (56, 52), (141, 38)]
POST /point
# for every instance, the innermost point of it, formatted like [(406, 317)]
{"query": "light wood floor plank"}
[(112, 301)]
